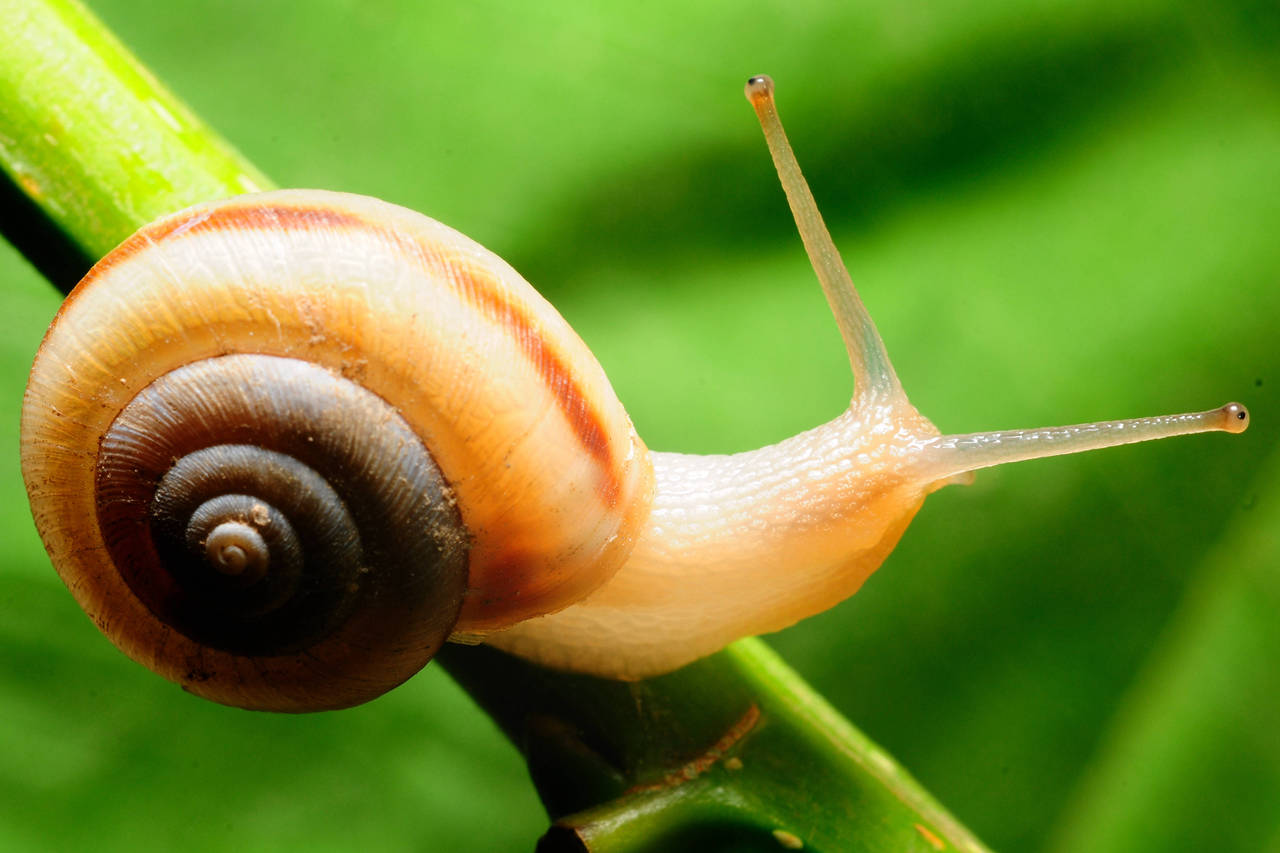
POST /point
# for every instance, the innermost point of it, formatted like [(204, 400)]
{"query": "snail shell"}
[(336, 425)]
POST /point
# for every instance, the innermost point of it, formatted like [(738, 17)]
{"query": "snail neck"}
[(770, 536), (818, 496)]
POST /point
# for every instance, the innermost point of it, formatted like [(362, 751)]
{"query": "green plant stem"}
[(733, 752), (730, 752), (92, 139)]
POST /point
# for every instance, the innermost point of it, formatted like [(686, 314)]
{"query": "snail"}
[(281, 447)]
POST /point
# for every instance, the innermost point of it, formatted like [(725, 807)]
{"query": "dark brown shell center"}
[(265, 506)]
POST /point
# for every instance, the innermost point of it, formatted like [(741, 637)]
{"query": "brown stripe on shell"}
[(226, 217), (254, 216), (481, 289)]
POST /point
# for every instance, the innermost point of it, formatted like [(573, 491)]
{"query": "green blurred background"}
[(1057, 211)]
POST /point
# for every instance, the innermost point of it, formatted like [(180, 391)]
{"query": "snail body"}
[(207, 420), (793, 528)]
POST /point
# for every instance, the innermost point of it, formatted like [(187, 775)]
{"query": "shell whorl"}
[(237, 515), (139, 396)]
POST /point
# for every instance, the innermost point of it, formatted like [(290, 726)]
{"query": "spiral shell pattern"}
[(267, 440)]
